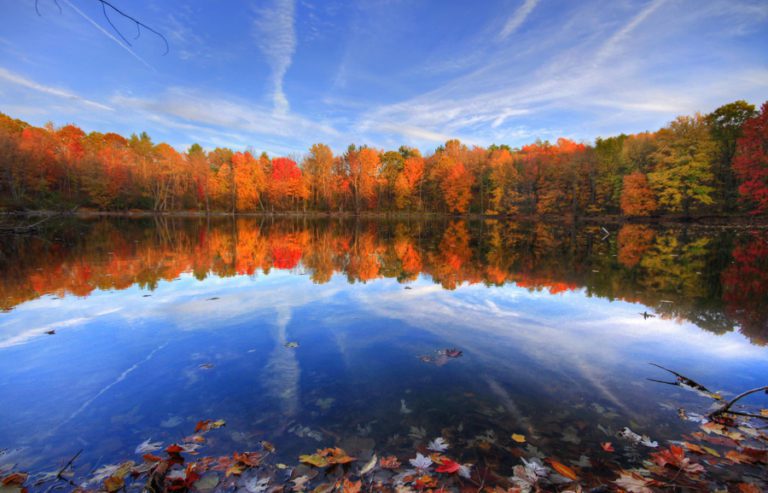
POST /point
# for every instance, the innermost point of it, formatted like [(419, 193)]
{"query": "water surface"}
[(160, 323)]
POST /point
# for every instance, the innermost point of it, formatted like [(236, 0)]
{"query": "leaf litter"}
[(727, 451)]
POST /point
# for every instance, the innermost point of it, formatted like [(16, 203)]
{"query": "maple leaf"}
[(448, 466), (607, 446), (438, 445), (633, 482), (675, 456), (390, 462), (420, 462)]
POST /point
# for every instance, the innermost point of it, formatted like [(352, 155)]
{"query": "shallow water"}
[(162, 323)]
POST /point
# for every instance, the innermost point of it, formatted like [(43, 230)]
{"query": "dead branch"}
[(727, 406), (107, 5)]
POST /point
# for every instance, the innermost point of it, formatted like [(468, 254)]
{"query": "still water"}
[(311, 333)]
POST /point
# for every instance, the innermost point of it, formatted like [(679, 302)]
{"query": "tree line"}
[(701, 164)]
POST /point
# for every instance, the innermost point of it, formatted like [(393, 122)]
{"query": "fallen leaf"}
[(352, 486), (438, 445), (291, 344), (148, 446), (114, 483), (633, 482), (607, 446), (369, 466), (563, 470), (518, 438), (448, 466), (390, 462)]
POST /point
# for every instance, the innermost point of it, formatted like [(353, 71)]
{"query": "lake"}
[(371, 335)]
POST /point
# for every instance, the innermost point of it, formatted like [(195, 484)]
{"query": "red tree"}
[(751, 162)]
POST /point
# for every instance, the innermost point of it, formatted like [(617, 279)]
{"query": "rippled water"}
[(161, 323)]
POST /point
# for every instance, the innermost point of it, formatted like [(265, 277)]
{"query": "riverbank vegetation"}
[(701, 164)]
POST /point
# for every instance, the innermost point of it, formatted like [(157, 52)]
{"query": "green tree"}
[(726, 124)]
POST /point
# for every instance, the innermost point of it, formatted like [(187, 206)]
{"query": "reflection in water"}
[(714, 278), (163, 322)]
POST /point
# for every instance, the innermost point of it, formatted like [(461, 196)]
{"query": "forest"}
[(714, 164)]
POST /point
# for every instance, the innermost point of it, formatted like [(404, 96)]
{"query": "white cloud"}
[(517, 18), (276, 38), (51, 90)]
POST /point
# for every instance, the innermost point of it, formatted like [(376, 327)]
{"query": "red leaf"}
[(449, 467)]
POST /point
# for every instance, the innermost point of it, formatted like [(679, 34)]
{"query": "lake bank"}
[(735, 220)]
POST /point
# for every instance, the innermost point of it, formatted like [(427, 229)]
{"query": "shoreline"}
[(612, 219)]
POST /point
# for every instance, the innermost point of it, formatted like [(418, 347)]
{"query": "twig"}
[(730, 403), (66, 466), (136, 22)]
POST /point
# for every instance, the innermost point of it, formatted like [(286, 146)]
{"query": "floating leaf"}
[(633, 482), (518, 438), (607, 446), (448, 466), (563, 470), (114, 483), (438, 445), (291, 344), (315, 460), (148, 446), (369, 466), (390, 462), (421, 462)]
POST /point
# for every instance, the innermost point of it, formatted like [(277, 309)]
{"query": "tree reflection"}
[(710, 278)]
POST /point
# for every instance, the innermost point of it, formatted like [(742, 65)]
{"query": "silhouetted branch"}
[(727, 406), (104, 5)]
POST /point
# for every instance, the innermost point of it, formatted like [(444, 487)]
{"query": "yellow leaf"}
[(113, 483), (218, 424), (314, 460), (518, 438), (235, 469)]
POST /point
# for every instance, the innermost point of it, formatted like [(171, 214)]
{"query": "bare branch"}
[(104, 5), (730, 403)]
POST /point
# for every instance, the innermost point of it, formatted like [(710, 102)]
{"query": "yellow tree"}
[(250, 180), (682, 175), (318, 169)]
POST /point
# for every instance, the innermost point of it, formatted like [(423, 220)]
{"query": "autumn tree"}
[(682, 176), (318, 166), (503, 182), (726, 124), (751, 162), (637, 198), (250, 181)]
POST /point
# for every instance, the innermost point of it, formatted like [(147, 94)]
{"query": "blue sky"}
[(279, 75)]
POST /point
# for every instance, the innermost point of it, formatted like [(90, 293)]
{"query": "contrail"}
[(105, 389)]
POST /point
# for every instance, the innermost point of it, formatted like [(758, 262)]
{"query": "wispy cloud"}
[(517, 18), (276, 38), (53, 91), (185, 106)]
